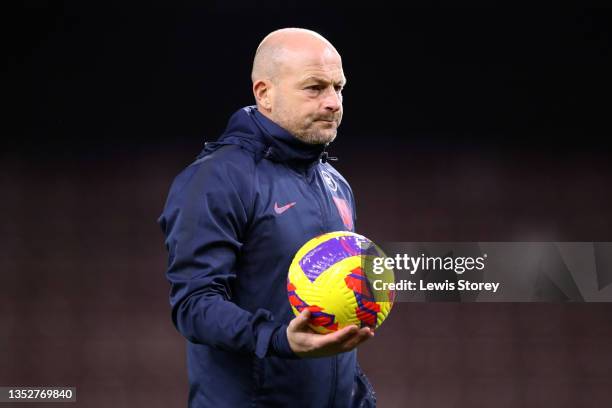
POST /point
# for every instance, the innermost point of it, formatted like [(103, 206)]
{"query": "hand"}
[(305, 342)]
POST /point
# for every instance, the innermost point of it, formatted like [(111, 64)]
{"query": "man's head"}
[(297, 82)]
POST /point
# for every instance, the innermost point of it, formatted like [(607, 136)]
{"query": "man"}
[(233, 221)]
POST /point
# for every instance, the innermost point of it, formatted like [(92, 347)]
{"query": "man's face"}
[(307, 97)]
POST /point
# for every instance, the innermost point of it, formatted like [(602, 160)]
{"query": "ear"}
[(263, 91)]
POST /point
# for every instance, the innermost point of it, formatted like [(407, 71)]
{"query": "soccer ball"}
[(332, 276)]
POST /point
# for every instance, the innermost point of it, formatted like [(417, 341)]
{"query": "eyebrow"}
[(342, 82)]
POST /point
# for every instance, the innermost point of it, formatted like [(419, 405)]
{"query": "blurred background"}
[(474, 123)]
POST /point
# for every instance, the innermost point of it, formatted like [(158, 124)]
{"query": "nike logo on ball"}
[(280, 210)]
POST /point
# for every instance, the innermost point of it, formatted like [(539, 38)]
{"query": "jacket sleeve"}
[(204, 220)]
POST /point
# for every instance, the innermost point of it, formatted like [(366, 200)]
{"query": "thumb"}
[(301, 320)]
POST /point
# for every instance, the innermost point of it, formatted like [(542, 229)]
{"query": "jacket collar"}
[(282, 145), (261, 136)]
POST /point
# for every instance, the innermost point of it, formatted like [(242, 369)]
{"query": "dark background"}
[(461, 124)]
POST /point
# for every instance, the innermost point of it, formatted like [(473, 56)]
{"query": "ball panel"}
[(328, 252), (334, 294), (320, 321)]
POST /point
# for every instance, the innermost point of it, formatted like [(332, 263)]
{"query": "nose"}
[(333, 100)]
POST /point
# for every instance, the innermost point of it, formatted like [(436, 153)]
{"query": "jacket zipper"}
[(324, 219), (320, 194)]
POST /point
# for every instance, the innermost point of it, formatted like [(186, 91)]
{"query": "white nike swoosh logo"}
[(280, 210)]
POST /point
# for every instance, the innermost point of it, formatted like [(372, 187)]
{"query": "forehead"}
[(303, 64)]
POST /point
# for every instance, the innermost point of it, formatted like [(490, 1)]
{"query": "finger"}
[(338, 337), (363, 335), (354, 342), (367, 331), (300, 322), (363, 332)]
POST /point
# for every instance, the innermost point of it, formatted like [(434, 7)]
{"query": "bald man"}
[(233, 220)]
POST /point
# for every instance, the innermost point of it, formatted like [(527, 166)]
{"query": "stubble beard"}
[(311, 133), (315, 136)]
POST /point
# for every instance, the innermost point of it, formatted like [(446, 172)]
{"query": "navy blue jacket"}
[(233, 220)]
